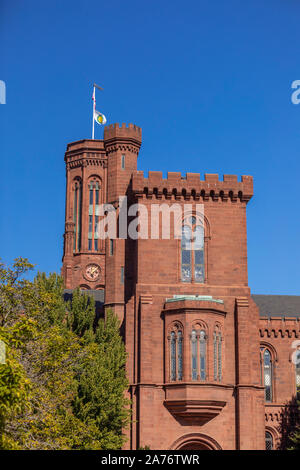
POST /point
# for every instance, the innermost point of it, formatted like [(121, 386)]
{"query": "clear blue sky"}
[(208, 81)]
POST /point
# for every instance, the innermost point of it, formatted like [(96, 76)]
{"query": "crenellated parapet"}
[(122, 137), (192, 187), (279, 327)]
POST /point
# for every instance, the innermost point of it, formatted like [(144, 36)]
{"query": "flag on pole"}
[(99, 117)]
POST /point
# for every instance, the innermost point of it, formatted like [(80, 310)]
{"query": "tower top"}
[(117, 131)]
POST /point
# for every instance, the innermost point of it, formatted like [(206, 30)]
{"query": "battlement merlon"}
[(122, 134), (192, 186)]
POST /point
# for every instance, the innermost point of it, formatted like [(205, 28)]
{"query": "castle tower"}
[(122, 146), (84, 252), (97, 172)]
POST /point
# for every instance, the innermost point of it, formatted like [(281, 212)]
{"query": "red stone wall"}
[(229, 414)]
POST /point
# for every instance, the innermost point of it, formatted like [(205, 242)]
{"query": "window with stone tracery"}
[(198, 353), (94, 207), (176, 352), (217, 352), (192, 250), (266, 362), (77, 214)]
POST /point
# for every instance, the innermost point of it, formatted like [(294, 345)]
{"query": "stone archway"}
[(195, 441)]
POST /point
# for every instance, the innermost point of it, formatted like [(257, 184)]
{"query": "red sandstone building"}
[(210, 366)]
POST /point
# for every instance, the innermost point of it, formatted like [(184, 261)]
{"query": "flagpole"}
[(94, 107)]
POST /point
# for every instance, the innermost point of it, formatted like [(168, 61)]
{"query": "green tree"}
[(102, 384), (63, 383)]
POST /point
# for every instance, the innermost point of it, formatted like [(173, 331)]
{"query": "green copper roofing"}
[(209, 298)]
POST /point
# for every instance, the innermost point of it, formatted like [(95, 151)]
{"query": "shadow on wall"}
[(289, 421)]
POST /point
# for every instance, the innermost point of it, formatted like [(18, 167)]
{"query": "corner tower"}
[(97, 172)]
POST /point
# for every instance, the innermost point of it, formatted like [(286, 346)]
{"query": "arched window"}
[(297, 371), (77, 215), (202, 351), (179, 354), (192, 250), (217, 355), (194, 354), (269, 441), (176, 355), (267, 372), (198, 349), (94, 205)]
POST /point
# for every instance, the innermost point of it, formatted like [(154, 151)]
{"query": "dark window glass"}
[(173, 356), (194, 355), (186, 271), (267, 373), (90, 244), (269, 441), (202, 348), (96, 245), (90, 225), (180, 367), (219, 357), (215, 357), (111, 247), (96, 226)]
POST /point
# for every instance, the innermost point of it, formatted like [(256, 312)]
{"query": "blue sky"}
[(209, 83)]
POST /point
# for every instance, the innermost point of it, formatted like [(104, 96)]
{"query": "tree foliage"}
[(63, 383)]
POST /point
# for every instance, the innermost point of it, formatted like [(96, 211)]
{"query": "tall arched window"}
[(202, 354), (194, 354), (176, 354), (217, 344), (269, 441), (192, 250), (77, 215), (267, 372), (198, 349), (94, 203), (297, 371)]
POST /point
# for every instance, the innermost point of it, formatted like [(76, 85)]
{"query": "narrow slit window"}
[(194, 355), (123, 162), (269, 441), (267, 373), (192, 251), (219, 357), (94, 201), (215, 357), (173, 356), (77, 216), (180, 359), (186, 258), (202, 349)]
